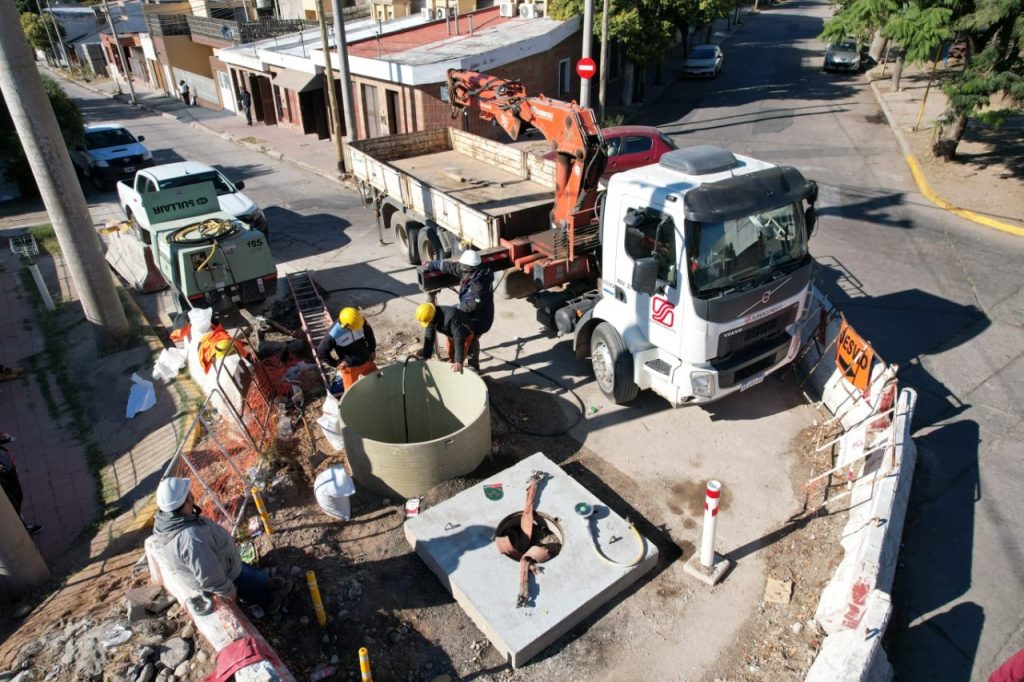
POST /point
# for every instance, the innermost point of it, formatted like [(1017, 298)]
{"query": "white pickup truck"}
[(184, 174)]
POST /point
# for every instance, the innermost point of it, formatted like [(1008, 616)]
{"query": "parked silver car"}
[(704, 60), (843, 56)]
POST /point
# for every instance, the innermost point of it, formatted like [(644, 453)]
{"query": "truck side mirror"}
[(810, 220), (141, 138), (240, 185), (645, 275)]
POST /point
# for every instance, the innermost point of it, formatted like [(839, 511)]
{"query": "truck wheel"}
[(613, 364), (430, 245), (406, 236)]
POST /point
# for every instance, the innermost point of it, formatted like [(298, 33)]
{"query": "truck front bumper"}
[(698, 384)]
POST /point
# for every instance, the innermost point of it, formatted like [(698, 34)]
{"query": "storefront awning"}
[(297, 81)]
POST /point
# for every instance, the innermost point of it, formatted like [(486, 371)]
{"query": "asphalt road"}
[(937, 295)]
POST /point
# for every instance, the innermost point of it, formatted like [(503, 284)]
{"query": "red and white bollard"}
[(707, 545), (707, 566)]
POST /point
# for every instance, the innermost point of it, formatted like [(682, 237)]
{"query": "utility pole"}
[(21, 567), (329, 85), (61, 53), (47, 155), (49, 34), (120, 52), (343, 72), (588, 38), (604, 59)]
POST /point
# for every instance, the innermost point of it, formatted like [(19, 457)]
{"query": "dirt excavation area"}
[(379, 594)]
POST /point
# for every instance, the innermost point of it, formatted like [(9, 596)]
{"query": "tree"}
[(36, 26), (12, 155), (858, 18), (994, 30)]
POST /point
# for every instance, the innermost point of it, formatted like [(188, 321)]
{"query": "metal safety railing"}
[(217, 454)]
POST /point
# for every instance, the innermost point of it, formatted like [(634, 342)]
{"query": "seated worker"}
[(205, 555), (350, 346), (454, 324)]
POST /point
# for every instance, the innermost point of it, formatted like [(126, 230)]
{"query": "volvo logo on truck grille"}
[(765, 297)]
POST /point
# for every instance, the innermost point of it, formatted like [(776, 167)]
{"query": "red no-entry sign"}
[(586, 68)]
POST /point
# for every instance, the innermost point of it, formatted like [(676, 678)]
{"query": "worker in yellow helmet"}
[(350, 346), (453, 323)]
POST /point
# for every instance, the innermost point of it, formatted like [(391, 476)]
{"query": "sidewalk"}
[(984, 181)]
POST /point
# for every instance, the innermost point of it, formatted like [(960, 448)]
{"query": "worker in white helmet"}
[(476, 292), (204, 555)]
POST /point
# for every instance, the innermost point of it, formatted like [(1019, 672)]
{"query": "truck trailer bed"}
[(478, 189)]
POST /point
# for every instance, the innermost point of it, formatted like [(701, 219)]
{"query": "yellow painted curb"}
[(962, 212), (145, 518)]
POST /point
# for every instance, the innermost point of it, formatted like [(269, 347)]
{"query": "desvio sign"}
[(180, 202)]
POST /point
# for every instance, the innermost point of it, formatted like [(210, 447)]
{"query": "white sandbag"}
[(169, 363), (201, 320), (142, 396), (330, 423), (332, 488), (331, 428)]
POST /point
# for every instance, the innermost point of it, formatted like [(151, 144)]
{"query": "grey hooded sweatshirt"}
[(203, 553)]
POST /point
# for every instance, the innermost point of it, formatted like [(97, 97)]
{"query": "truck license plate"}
[(753, 382), (129, 169)]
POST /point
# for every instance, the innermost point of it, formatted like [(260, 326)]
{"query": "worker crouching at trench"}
[(453, 323), (476, 292), (350, 346)]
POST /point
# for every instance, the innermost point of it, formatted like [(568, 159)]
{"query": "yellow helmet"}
[(222, 348), (425, 313), (350, 317)]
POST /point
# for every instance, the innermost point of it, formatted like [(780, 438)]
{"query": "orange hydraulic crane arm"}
[(572, 130)]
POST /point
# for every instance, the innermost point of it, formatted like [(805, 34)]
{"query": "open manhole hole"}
[(547, 532)]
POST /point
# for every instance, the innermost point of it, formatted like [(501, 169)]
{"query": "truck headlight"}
[(147, 155), (100, 163), (703, 384)]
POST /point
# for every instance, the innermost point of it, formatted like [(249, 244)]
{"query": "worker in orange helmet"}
[(350, 346)]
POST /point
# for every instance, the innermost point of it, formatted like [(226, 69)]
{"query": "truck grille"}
[(756, 336), (127, 160)]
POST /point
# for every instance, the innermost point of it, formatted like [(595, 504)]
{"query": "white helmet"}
[(471, 258), (172, 493)]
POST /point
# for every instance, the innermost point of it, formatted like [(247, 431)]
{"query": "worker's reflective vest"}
[(343, 336)]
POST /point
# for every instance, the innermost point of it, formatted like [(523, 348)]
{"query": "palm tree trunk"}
[(945, 147), (897, 71)]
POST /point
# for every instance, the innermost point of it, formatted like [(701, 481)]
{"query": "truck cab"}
[(705, 273)]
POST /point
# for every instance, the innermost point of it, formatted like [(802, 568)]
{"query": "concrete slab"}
[(709, 576), (456, 540)]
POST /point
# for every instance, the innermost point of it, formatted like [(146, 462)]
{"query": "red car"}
[(634, 146), (631, 147)]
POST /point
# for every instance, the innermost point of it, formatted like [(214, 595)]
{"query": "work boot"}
[(34, 529), (10, 373), (279, 594)]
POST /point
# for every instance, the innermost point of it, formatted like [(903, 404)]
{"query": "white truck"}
[(183, 174), (700, 262)]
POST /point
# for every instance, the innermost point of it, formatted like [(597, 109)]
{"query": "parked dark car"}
[(843, 56), (110, 153)]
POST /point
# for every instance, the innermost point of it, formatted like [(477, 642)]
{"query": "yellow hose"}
[(209, 258), (636, 560)]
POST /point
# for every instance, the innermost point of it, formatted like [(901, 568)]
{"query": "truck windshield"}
[(101, 139), (220, 183), (746, 252)]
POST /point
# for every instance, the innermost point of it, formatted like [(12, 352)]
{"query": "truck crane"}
[(691, 281)]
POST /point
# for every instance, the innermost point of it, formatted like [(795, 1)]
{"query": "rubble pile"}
[(148, 639)]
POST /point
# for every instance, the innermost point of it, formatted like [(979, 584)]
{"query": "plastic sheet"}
[(141, 398), (332, 488), (169, 363), (201, 320)]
